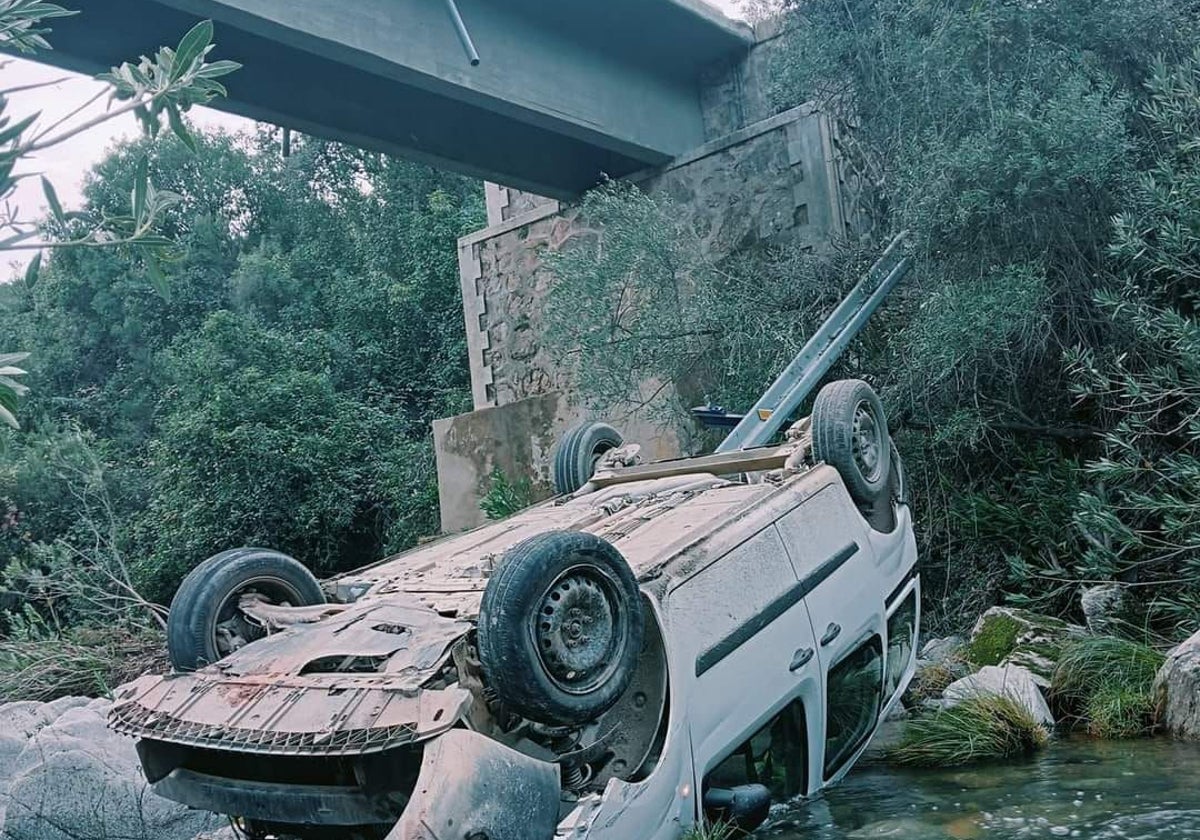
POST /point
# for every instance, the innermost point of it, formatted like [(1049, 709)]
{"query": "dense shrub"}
[(1046, 166), (1105, 683), (279, 393)]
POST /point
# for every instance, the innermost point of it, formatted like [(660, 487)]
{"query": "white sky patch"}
[(67, 165)]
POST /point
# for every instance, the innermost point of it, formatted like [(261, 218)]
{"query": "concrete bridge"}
[(563, 93), (666, 93)]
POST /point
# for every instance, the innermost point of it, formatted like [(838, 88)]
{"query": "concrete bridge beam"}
[(564, 93)]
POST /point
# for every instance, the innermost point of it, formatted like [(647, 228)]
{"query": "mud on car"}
[(661, 645)]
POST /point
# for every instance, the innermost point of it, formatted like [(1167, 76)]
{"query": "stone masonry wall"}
[(778, 180), (762, 177), (774, 181)]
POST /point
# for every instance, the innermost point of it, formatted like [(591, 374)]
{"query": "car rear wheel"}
[(579, 451), (560, 627), (850, 434), (206, 623)]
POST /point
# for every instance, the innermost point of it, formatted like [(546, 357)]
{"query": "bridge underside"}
[(564, 94)]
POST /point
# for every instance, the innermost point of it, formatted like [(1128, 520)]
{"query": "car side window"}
[(776, 756), (902, 632), (854, 697)]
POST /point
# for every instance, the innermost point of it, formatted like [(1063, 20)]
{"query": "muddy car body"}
[(777, 622), (661, 646)]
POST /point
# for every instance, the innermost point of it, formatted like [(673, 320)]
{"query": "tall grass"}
[(1104, 683), (983, 727), (711, 831), (87, 663)]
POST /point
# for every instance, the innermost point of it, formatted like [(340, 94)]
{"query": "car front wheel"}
[(560, 627), (206, 622)]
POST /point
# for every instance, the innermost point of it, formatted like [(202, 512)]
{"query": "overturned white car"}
[(662, 645)]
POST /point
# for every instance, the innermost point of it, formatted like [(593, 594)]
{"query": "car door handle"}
[(831, 633), (801, 658)]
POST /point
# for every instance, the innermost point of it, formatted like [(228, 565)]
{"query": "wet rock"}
[(899, 827), (940, 650), (1177, 690), (225, 833), (889, 734), (1103, 607), (1011, 636), (931, 679), (1011, 681), (73, 778)]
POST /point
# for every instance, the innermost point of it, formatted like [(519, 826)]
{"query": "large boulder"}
[(1010, 681), (74, 779), (1177, 690), (1011, 636)]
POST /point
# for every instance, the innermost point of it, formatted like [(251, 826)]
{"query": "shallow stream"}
[(1096, 790)]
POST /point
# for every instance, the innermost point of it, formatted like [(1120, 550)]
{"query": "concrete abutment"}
[(767, 178)]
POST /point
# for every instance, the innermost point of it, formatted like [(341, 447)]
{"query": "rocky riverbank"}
[(1020, 678), (65, 776)]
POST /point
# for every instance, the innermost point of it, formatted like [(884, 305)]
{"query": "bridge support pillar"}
[(779, 180)]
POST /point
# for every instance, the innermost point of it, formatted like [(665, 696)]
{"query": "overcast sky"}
[(67, 164)]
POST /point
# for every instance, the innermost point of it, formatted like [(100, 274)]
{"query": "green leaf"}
[(217, 69), (31, 273), (52, 200), (153, 240), (191, 47), (157, 279), (13, 385), (14, 130), (9, 241), (8, 418), (180, 129), (12, 358), (140, 179)]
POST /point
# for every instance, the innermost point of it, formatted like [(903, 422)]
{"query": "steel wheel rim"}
[(579, 629), (867, 441), (229, 617)]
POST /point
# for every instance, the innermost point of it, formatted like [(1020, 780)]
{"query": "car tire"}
[(560, 628), (579, 450), (850, 434), (207, 600)]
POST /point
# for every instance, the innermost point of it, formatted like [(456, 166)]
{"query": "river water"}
[(1095, 790)]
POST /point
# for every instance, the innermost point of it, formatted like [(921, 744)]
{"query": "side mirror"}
[(745, 807)]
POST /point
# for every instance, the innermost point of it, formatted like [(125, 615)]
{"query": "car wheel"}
[(579, 450), (560, 627), (206, 624), (850, 434)]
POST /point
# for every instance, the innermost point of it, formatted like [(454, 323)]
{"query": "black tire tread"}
[(523, 574), (568, 475), (207, 585), (832, 429)]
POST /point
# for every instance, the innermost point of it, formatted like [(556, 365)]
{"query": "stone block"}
[(518, 439)]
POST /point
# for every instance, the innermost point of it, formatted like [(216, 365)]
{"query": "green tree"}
[(282, 392), (1006, 137), (1140, 517), (154, 90)]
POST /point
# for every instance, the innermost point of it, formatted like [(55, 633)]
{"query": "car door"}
[(833, 558), (744, 625)]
